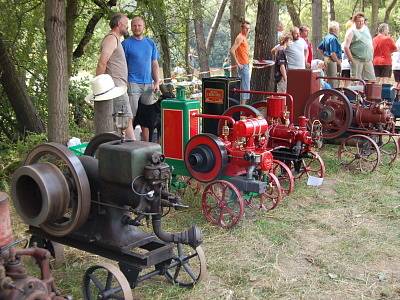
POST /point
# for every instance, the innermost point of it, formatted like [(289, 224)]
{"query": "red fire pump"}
[(236, 161), (15, 282), (359, 120), (290, 144)]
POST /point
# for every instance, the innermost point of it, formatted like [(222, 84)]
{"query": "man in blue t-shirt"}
[(143, 71)]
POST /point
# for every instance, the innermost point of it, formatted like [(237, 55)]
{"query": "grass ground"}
[(338, 241)]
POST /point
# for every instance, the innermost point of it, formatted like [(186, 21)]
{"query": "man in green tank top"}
[(359, 50)]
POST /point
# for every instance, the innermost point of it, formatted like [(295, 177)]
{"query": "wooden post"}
[(103, 120)]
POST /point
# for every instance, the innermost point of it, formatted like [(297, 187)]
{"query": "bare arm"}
[(347, 42), (155, 73), (239, 39), (283, 72), (108, 46)]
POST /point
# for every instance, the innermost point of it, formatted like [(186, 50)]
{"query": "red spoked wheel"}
[(359, 153), (350, 94), (272, 196), (388, 146), (236, 112), (222, 204), (332, 109), (205, 157), (284, 175), (311, 164)]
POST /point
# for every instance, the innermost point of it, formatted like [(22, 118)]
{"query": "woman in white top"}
[(396, 64)]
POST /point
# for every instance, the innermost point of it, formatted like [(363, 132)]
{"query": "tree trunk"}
[(55, 27), (331, 10), (25, 112), (265, 39), (374, 17), (102, 112), (188, 67), (200, 40), (389, 9), (214, 26), (293, 12), (316, 26), (237, 15), (72, 14)]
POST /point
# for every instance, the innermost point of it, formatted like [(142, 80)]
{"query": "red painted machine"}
[(359, 120), (293, 145), (15, 282), (236, 161)]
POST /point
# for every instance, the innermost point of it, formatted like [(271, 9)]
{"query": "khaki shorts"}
[(362, 69), (281, 86), (121, 103), (144, 92)]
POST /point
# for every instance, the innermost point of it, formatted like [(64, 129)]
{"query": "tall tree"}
[(57, 70), (72, 14), (265, 39), (293, 12), (388, 10), (374, 16), (331, 10), (237, 15), (316, 25), (215, 24), (15, 88), (200, 39)]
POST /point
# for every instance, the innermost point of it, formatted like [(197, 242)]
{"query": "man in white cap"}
[(112, 61)]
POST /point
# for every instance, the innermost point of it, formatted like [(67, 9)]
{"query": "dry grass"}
[(339, 241)]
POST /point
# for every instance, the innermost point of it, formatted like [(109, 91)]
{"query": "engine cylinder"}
[(250, 127), (40, 193), (6, 236), (276, 106)]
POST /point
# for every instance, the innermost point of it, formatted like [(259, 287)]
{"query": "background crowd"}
[(360, 55)]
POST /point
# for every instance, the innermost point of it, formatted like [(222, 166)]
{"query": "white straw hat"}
[(103, 88)]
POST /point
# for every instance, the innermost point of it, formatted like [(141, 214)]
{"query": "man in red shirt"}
[(304, 30), (384, 46)]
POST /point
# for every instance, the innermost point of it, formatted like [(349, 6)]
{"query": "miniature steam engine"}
[(15, 282), (356, 118), (235, 161), (96, 204)]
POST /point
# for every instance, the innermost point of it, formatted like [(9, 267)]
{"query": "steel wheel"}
[(359, 152), (271, 198), (236, 112), (105, 281), (388, 146), (99, 139), (79, 202), (332, 109), (222, 204), (188, 266), (284, 175), (310, 164)]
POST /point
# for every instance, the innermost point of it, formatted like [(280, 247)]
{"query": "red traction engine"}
[(15, 282), (359, 120), (291, 144)]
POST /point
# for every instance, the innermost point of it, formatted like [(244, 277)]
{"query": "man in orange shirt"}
[(240, 52), (384, 46)]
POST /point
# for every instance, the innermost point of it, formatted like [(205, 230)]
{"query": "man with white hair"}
[(359, 50), (332, 51)]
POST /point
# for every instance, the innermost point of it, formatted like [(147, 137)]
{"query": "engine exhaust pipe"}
[(192, 237)]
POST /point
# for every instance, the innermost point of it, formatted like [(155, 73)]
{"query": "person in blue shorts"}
[(143, 72)]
